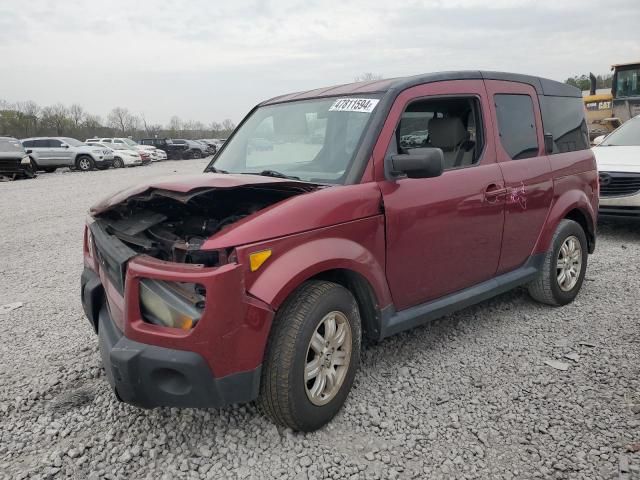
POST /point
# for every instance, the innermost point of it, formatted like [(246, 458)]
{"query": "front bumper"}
[(151, 376), (622, 206), (103, 161)]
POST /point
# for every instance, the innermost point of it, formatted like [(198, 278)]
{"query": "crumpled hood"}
[(617, 159), (188, 183), (302, 206)]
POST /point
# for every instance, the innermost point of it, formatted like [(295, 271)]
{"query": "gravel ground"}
[(469, 396)]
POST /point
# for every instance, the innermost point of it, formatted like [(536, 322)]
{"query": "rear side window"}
[(563, 118), (517, 125)]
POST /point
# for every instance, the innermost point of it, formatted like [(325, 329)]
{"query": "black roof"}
[(543, 86)]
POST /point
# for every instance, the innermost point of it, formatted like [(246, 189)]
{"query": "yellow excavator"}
[(607, 110)]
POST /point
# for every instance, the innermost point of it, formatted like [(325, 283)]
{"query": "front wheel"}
[(84, 163), (118, 163), (196, 154), (564, 267), (312, 356)]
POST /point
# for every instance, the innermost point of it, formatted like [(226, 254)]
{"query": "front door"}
[(443, 234)]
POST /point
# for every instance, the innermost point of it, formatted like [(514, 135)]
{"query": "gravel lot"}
[(469, 396)]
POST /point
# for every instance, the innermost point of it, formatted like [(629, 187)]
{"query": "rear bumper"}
[(151, 376)]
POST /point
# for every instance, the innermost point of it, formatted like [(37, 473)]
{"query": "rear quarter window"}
[(563, 118), (517, 125)]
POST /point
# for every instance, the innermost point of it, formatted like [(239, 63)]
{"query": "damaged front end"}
[(172, 226)]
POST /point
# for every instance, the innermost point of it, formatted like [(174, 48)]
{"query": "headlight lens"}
[(171, 304), (25, 161)]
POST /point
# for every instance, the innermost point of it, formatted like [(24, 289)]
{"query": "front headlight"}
[(171, 304), (95, 150), (25, 161)]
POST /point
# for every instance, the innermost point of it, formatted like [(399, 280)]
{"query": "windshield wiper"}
[(213, 169), (272, 173)]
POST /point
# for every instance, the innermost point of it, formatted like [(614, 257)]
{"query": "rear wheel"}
[(564, 266), (312, 356), (196, 154), (118, 163), (84, 163)]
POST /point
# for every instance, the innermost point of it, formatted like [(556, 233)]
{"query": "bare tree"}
[(175, 125), (29, 112), (119, 119), (228, 126), (368, 77), (77, 114)]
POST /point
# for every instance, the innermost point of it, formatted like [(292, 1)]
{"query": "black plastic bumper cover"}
[(149, 376)]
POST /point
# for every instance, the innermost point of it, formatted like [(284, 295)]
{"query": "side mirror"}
[(598, 140), (548, 143), (64, 145), (419, 163)]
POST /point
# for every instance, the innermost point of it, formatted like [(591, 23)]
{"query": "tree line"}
[(28, 119), (583, 83)]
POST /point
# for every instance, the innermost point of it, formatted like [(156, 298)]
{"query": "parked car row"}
[(23, 158)]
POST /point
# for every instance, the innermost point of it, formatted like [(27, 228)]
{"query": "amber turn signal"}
[(256, 259)]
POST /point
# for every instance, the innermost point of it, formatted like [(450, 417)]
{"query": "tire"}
[(118, 163), (84, 163), (285, 397), (196, 154), (547, 288)]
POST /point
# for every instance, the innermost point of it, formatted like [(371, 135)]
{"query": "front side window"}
[(628, 135), (41, 144), (451, 124), (53, 143), (517, 125), (312, 140)]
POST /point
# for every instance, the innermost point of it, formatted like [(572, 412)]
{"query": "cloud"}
[(208, 60)]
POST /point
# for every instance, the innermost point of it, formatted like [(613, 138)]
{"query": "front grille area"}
[(10, 165), (614, 184), (619, 211)]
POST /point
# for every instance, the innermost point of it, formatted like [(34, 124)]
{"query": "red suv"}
[(368, 209)]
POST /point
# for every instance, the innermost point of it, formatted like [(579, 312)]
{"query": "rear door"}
[(42, 153), (60, 156), (525, 167)]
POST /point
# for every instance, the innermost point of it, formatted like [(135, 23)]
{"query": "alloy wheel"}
[(569, 263), (328, 357)]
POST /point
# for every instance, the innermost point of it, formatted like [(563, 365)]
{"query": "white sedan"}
[(618, 158), (123, 156)]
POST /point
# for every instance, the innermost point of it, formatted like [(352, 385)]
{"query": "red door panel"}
[(529, 184), (443, 234)]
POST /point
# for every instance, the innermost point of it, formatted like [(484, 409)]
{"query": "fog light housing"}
[(171, 304)]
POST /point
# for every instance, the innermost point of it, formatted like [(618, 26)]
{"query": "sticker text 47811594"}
[(363, 105)]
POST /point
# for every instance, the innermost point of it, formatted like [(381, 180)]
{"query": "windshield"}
[(628, 135), (73, 142), (628, 82), (313, 140), (10, 145), (129, 142)]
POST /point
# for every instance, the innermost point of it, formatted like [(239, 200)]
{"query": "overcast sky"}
[(209, 60)]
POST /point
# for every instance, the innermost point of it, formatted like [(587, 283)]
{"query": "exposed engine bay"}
[(172, 226)]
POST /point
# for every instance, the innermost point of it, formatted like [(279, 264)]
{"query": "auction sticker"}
[(362, 105)]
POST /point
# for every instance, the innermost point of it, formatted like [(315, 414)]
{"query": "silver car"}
[(49, 153)]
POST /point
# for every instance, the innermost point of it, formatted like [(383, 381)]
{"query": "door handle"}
[(493, 192)]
